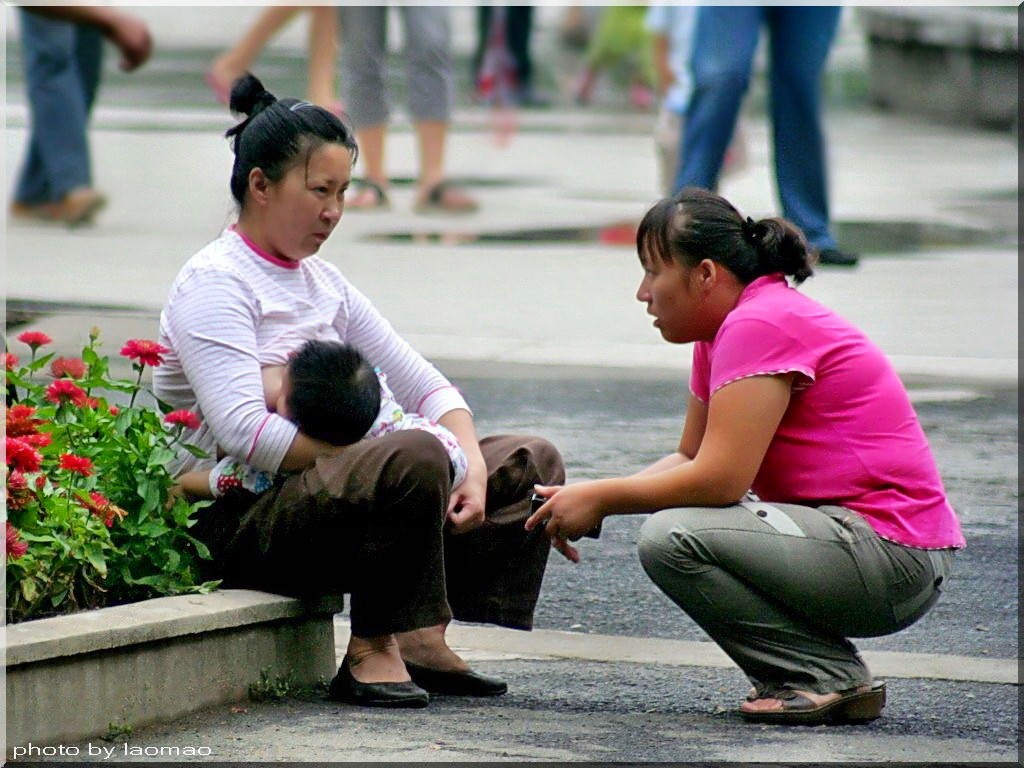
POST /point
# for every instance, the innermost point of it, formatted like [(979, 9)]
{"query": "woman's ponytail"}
[(780, 247)]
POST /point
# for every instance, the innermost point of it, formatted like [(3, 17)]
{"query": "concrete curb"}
[(157, 660)]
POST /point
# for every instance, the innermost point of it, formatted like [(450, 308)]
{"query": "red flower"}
[(22, 456), (101, 506), (114, 410), (144, 351), (20, 420), (63, 390), (11, 361), (34, 339), (68, 367), (184, 418), (38, 440), (77, 464), (15, 546), (92, 402), (18, 493)]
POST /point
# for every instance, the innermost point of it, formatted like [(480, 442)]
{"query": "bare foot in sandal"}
[(809, 708), (445, 197), (368, 196)]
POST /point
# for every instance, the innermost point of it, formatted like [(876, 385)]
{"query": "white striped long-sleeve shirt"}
[(228, 309)]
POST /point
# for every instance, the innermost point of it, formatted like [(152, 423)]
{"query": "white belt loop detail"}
[(775, 517)]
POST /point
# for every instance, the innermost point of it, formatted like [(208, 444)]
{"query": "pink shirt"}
[(850, 436)]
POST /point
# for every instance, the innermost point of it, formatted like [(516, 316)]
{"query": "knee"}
[(547, 459), (667, 545), (724, 79), (417, 462)]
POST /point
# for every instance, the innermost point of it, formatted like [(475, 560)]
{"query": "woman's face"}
[(671, 297), (304, 207)]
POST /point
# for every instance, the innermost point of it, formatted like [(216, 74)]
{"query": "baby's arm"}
[(196, 485)]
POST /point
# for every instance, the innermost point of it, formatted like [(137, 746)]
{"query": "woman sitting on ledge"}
[(377, 519), (854, 537)]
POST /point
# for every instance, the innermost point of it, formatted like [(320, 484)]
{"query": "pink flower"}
[(144, 351), (22, 456), (77, 464), (34, 339), (15, 546), (183, 418), (11, 361), (63, 390), (68, 367)]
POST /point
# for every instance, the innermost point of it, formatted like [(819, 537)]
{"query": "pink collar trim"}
[(285, 263)]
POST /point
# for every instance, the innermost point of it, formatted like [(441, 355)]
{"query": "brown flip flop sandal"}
[(850, 707), (445, 197), (369, 196)]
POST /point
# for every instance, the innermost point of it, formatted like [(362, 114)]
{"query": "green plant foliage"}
[(273, 687), (93, 515)]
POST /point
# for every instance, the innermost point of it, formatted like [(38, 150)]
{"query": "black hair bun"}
[(248, 96)]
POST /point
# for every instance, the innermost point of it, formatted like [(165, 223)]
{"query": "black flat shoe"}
[(344, 687), (455, 683), (836, 258)]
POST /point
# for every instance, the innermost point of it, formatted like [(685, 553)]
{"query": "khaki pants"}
[(370, 522), (780, 587)]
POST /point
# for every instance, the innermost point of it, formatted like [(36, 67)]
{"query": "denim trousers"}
[(62, 62), (780, 587), (370, 522), (799, 39)]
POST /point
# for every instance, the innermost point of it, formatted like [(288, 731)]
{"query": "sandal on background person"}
[(77, 207), (368, 196), (445, 197), (854, 706)]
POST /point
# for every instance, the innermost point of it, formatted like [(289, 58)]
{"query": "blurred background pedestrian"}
[(62, 54), (671, 28), (799, 42), (512, 24), (619, 40), (431, 97), (323, 53)]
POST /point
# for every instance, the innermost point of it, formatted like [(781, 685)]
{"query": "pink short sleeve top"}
[(850, 436)]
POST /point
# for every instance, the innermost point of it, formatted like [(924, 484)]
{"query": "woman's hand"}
[(466, 505), (570, 512)]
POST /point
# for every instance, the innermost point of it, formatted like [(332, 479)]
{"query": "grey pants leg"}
[(428, 63), (780, 587), (364, 57)]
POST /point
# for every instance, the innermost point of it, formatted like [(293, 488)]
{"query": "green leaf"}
[(97, 561), (29, 590)]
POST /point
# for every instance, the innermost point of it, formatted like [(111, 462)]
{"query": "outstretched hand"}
[(569, 513), (132, 38)]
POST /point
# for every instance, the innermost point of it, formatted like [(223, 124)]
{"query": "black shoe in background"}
[(836, 258)]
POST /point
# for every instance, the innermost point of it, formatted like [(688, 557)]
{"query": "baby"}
[(331, 393)]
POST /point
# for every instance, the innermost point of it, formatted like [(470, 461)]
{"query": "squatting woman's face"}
[(673, 302), (305, 206)]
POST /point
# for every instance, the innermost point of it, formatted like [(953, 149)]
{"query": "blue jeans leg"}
[(800, 39), (62, 65), (723, 51)]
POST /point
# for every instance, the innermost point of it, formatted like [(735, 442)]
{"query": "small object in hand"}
[(537, 501)]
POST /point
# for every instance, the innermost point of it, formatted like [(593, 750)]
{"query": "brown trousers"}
[(370, 522)]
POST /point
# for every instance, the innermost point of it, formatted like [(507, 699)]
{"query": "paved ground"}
[(531, 312)]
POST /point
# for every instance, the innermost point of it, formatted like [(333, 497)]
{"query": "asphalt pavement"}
[(528, 305)]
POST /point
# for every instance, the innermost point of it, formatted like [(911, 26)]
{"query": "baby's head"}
[(330, 392)]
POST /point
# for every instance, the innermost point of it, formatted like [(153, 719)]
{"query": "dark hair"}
[(276, 132), (695, 224), (335, 392)]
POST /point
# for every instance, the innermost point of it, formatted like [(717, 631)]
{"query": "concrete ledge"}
[(958, 64), (157, 660)]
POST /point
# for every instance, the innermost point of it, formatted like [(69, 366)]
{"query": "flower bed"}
[(92, 517)]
